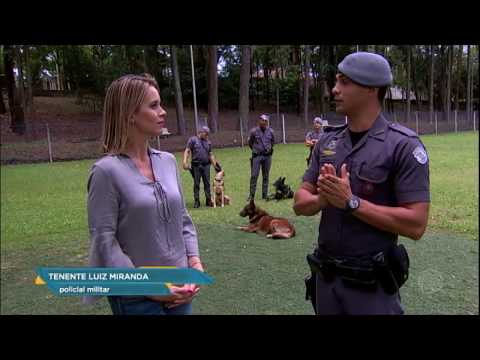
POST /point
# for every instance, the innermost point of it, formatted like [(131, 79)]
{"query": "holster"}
[(388, 268)]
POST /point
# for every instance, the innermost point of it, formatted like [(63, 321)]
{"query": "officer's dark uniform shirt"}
[(201, 150), (261, 142), (388, 166), (314, 135)]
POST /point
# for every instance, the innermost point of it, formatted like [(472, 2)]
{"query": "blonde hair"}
[(124, 97)]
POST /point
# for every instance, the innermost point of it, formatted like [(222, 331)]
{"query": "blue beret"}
[(367, 69)]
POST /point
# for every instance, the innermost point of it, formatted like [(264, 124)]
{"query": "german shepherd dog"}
[(261, 221), (282, 190), (219, 197)]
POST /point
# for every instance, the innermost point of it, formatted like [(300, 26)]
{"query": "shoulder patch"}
[(420, 155), (330, 128), (402, 129)]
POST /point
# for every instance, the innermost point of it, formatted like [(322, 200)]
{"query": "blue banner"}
[(117, 281)]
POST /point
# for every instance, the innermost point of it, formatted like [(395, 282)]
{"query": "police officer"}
[(260, 140), (313, 136), (200, 149), (370, 179)]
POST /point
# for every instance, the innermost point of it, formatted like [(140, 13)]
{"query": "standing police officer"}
[(260, 140), (370, 178), (313, 136), (200, 148)]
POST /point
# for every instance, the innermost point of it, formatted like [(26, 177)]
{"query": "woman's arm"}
[(102, 208)]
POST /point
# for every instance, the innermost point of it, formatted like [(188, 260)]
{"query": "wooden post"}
[(416, 121), (278, 107), (158, 142), (474, 113), (241, 130), (49, 145), (436, 124), (456, 124), (283, 128), (346, 121)]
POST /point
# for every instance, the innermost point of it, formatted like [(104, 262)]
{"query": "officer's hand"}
[(325, 169), (185, 166), (335, 189)]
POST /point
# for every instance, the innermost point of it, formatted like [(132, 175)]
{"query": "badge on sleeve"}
[(420, 155)]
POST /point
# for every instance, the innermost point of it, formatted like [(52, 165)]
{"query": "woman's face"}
[(150, 116)]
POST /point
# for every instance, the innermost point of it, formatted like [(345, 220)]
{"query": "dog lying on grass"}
[(262, 222), (282, 191)]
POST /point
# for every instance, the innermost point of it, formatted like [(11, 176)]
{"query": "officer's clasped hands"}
[(336, 190)]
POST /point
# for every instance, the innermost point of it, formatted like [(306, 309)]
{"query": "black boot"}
[(197, 204), (209, 202)]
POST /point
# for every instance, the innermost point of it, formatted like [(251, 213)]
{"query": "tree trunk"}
[(253, 82), (212, 89), (15, 102), (178, 92), (448, 98), (144, 60), (28, 67), (415, 74), (297, 62), (257, 83), (243, 100), (431, 82), (3, 108), (21, 84), (409, 67), (306, 85), (468, 82), (459, 74)]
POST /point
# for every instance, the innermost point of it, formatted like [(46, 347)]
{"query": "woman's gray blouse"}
[(135, 222)]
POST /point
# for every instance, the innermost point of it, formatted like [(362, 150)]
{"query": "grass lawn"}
[(43, 223)]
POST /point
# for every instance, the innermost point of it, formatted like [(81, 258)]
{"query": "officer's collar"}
[(379, 128), (377, 131)]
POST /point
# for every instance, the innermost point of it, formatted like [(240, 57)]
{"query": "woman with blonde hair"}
[(136, 210)]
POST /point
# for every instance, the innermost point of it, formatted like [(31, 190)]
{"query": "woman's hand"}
[(195, 263), (178, 295), (185, 294)]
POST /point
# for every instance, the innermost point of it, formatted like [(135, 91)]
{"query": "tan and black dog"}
[(261, 221), (219, 197)]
